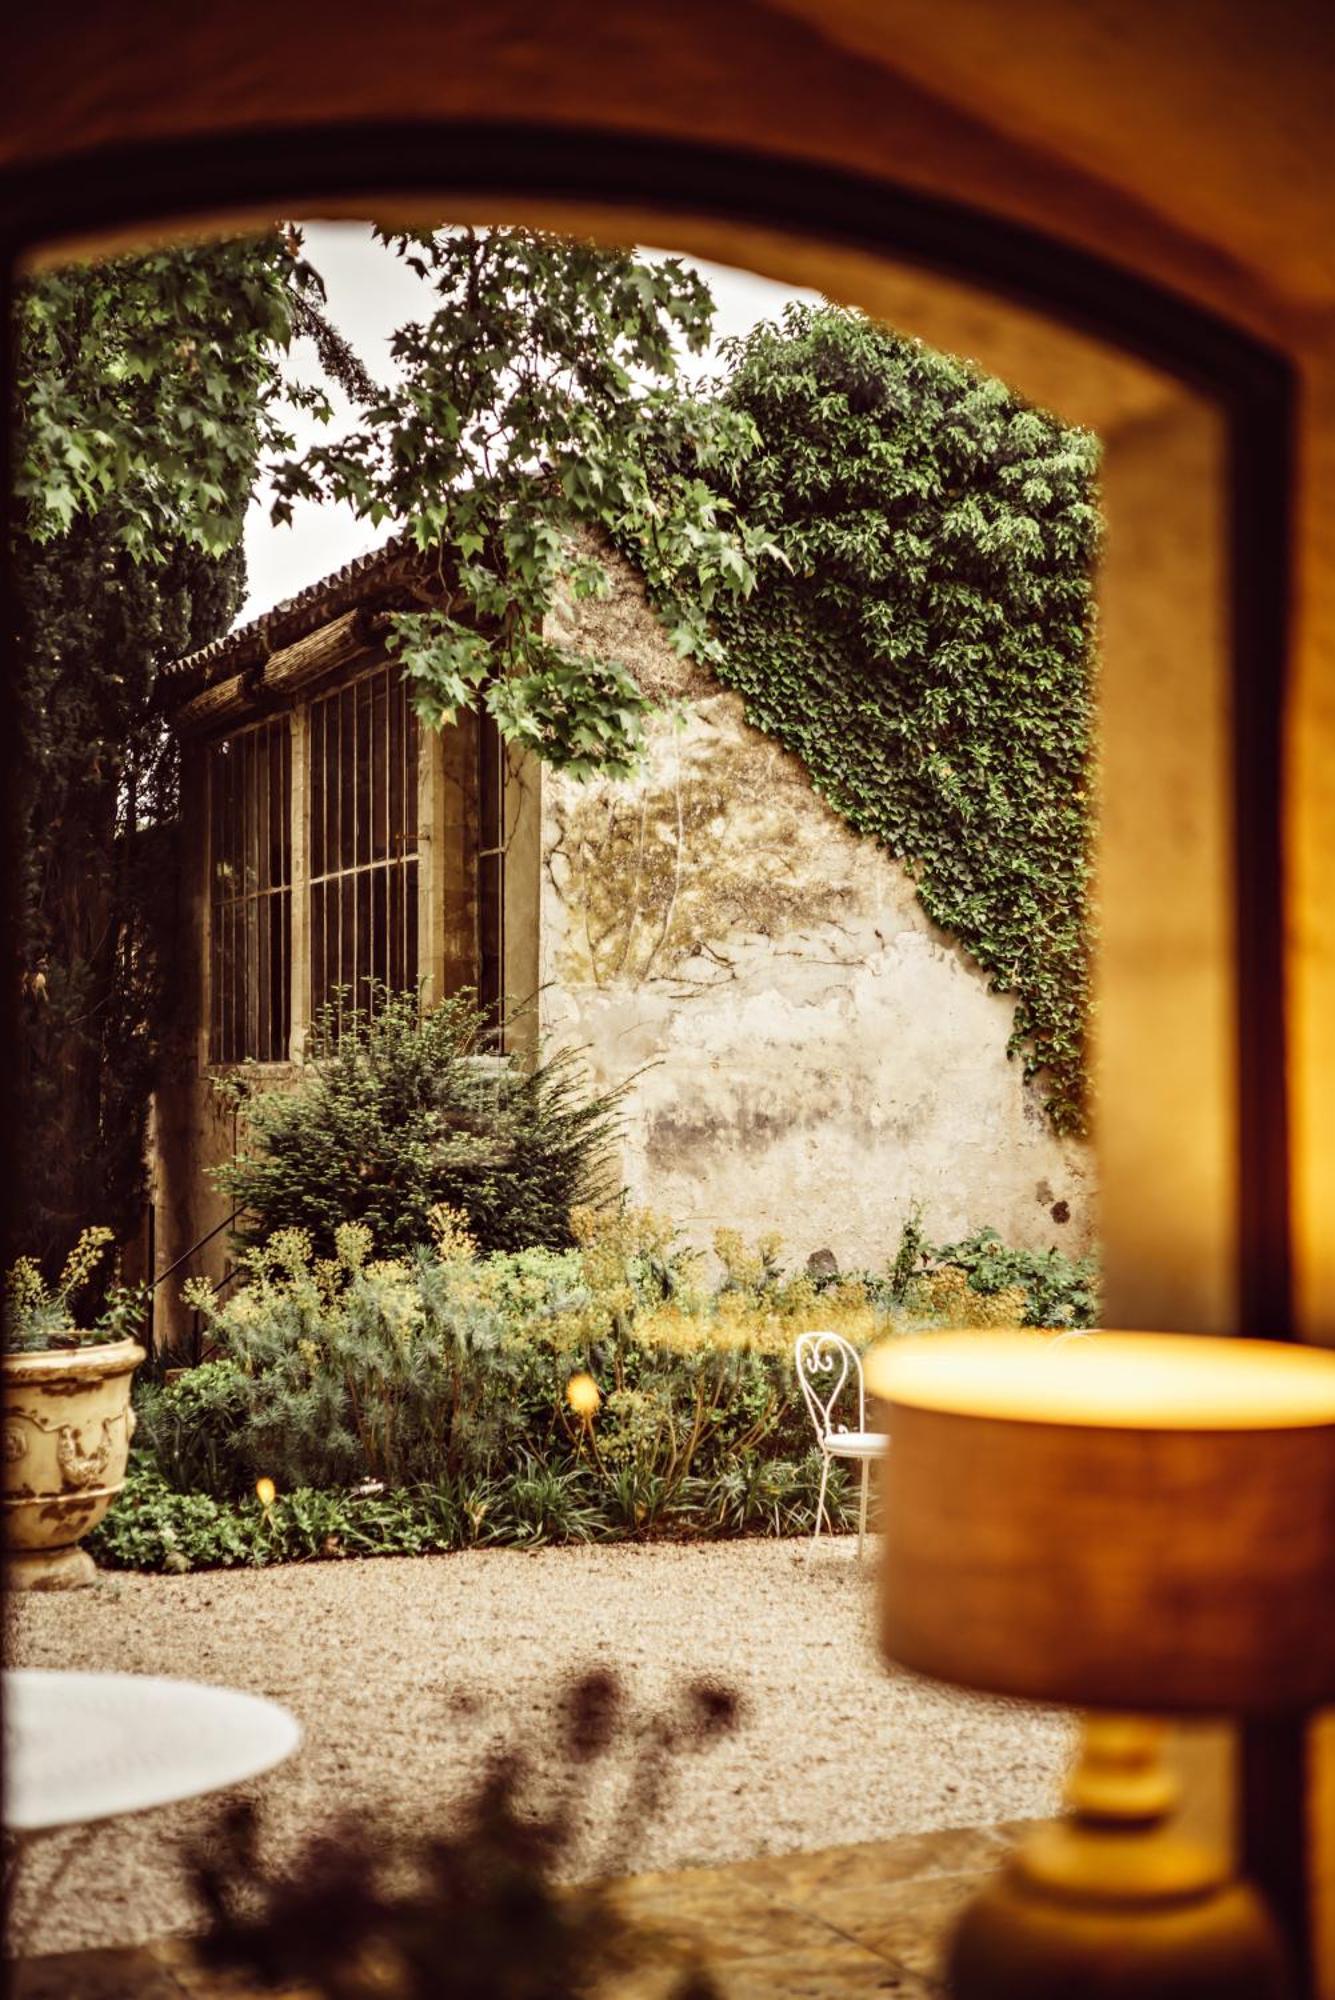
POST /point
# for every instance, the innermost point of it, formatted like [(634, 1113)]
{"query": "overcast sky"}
[(371, 292)]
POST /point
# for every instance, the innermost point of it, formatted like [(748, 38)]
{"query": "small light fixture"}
[(1135, 1524), (583, 1396)]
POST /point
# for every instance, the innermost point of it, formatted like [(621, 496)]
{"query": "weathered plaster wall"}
[(810, 1053)]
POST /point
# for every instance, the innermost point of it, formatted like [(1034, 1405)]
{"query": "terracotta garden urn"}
[(67, 1430)]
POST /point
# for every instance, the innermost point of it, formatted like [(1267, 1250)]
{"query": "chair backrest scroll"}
[(825, 1363)]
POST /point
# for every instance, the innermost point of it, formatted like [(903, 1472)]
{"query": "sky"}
[(370, 293)]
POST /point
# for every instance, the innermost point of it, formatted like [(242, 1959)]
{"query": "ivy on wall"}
[(928, 654)]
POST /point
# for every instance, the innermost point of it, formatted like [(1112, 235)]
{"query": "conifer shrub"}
[(400, 1108)]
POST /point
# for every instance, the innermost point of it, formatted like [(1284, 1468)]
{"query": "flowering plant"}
[(39, 1316)]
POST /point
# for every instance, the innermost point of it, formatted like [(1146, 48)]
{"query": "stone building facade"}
[(805, 1052)]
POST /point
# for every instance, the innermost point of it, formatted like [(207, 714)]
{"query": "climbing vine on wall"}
[(929, 653)]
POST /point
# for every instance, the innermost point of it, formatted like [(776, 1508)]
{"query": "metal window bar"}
[(250, 841), (491, 874), (363, 741)]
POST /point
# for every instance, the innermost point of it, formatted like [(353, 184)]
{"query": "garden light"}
[(266, 1492), (582, 1395)]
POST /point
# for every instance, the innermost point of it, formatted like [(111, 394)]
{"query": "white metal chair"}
[(825, 1364)]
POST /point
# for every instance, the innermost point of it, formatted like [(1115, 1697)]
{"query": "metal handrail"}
[(186, 1255), (197, 1323), (196, 1341)]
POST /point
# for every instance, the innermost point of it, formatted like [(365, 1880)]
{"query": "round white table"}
[(86, 1747)]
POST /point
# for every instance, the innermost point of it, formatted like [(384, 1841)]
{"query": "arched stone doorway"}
[(1217, 818)]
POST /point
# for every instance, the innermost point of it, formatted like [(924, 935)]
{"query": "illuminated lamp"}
[(1136, 1525)]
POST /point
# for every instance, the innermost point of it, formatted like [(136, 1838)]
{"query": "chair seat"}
[(855, 1444)]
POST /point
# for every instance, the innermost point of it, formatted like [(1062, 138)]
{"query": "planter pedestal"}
[(49, 1569)]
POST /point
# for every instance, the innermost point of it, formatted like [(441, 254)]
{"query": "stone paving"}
[(840, 1923), (375, 1658)]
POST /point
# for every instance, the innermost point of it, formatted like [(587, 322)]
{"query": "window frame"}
[(442, 838), (409, 859), (111, 184)]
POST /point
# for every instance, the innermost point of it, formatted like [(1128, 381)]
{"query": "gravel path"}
[(373, 1657)]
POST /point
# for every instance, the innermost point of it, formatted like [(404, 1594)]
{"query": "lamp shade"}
[(1132, 1521)]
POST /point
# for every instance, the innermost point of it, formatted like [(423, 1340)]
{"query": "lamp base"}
[(1109, 1903), (1014, 1943)]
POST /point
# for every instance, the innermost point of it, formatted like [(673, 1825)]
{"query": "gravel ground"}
[(374, 1656)]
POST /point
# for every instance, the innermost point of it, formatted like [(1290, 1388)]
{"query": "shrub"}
[(447, 1374), (427, 1402), (395, 1114), (193, 1428), (333, 1371), (946, 1298), (980, 1282), (152, 1526), (1057, 1290)]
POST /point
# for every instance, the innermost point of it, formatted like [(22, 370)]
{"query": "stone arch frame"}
[(117, 192)]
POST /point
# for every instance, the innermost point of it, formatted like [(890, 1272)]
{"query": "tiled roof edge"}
[(395, 561)]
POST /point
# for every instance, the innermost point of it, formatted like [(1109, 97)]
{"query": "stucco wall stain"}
[(754, 1117), (662, 872)]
